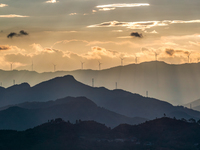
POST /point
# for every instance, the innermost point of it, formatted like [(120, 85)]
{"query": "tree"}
[(192, 120), (183, 119), (198, 121)]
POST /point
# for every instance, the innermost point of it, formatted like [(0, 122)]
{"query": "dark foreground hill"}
[(28, 115), (176, 84), (119, 101), (159, 134)]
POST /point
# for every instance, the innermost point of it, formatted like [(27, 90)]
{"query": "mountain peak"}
[(19, 86), (69, 77)]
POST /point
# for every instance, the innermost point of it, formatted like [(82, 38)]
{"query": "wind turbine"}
[(82, 63), (11, 66), (147, 93), (92, 82), (189, 57), (156, 56), (122, 59), (54, 67), (136, 59), (99, 65)]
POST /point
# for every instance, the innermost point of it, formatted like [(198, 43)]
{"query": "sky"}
[(67, 33)]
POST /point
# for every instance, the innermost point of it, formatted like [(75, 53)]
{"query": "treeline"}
[(162, 133)]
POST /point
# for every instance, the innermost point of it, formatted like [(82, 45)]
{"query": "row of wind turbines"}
[(100, 63)]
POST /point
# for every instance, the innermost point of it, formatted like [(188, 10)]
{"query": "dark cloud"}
[(13, 34), (22, 32), (4, 47), (171, 52), (136, 34)]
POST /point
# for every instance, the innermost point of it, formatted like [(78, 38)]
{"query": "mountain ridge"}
[(20, 117), (177, 84), (119, 101)]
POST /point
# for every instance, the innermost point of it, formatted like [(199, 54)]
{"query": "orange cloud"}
[(3, 5), (12, 16)]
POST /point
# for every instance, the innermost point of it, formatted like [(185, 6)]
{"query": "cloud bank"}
[(12, 16), (141, 25), (122, 5)]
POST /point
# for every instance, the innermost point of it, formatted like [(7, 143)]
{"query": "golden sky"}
[(68, 32)]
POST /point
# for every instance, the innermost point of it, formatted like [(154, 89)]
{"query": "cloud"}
[(93, 43), (152, 32), (117, 30), (52, 1), (172, 52), (4, 47), (12, 16), (13, 34), (22, 32), (72, 14), (136, 34), (141, 25), (194, 43), (106, 9), (3, 5), (122, 5)]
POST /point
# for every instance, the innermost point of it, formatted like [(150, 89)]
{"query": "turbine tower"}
[(116, 85), (54, 67), (189, 57), (136, 59), (122, 59), (82, 63), (147, 93), (156, 56), (11, 66), (99, 65), (92, 82)]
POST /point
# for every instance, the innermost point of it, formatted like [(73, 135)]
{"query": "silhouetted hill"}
[(164, 131), (119, 101), (177, 84), (159, 134), (28, 115)]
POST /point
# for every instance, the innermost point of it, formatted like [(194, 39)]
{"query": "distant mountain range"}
[(177, 84), (194, 105), (159, 134), (119, 101), (31, 114)]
